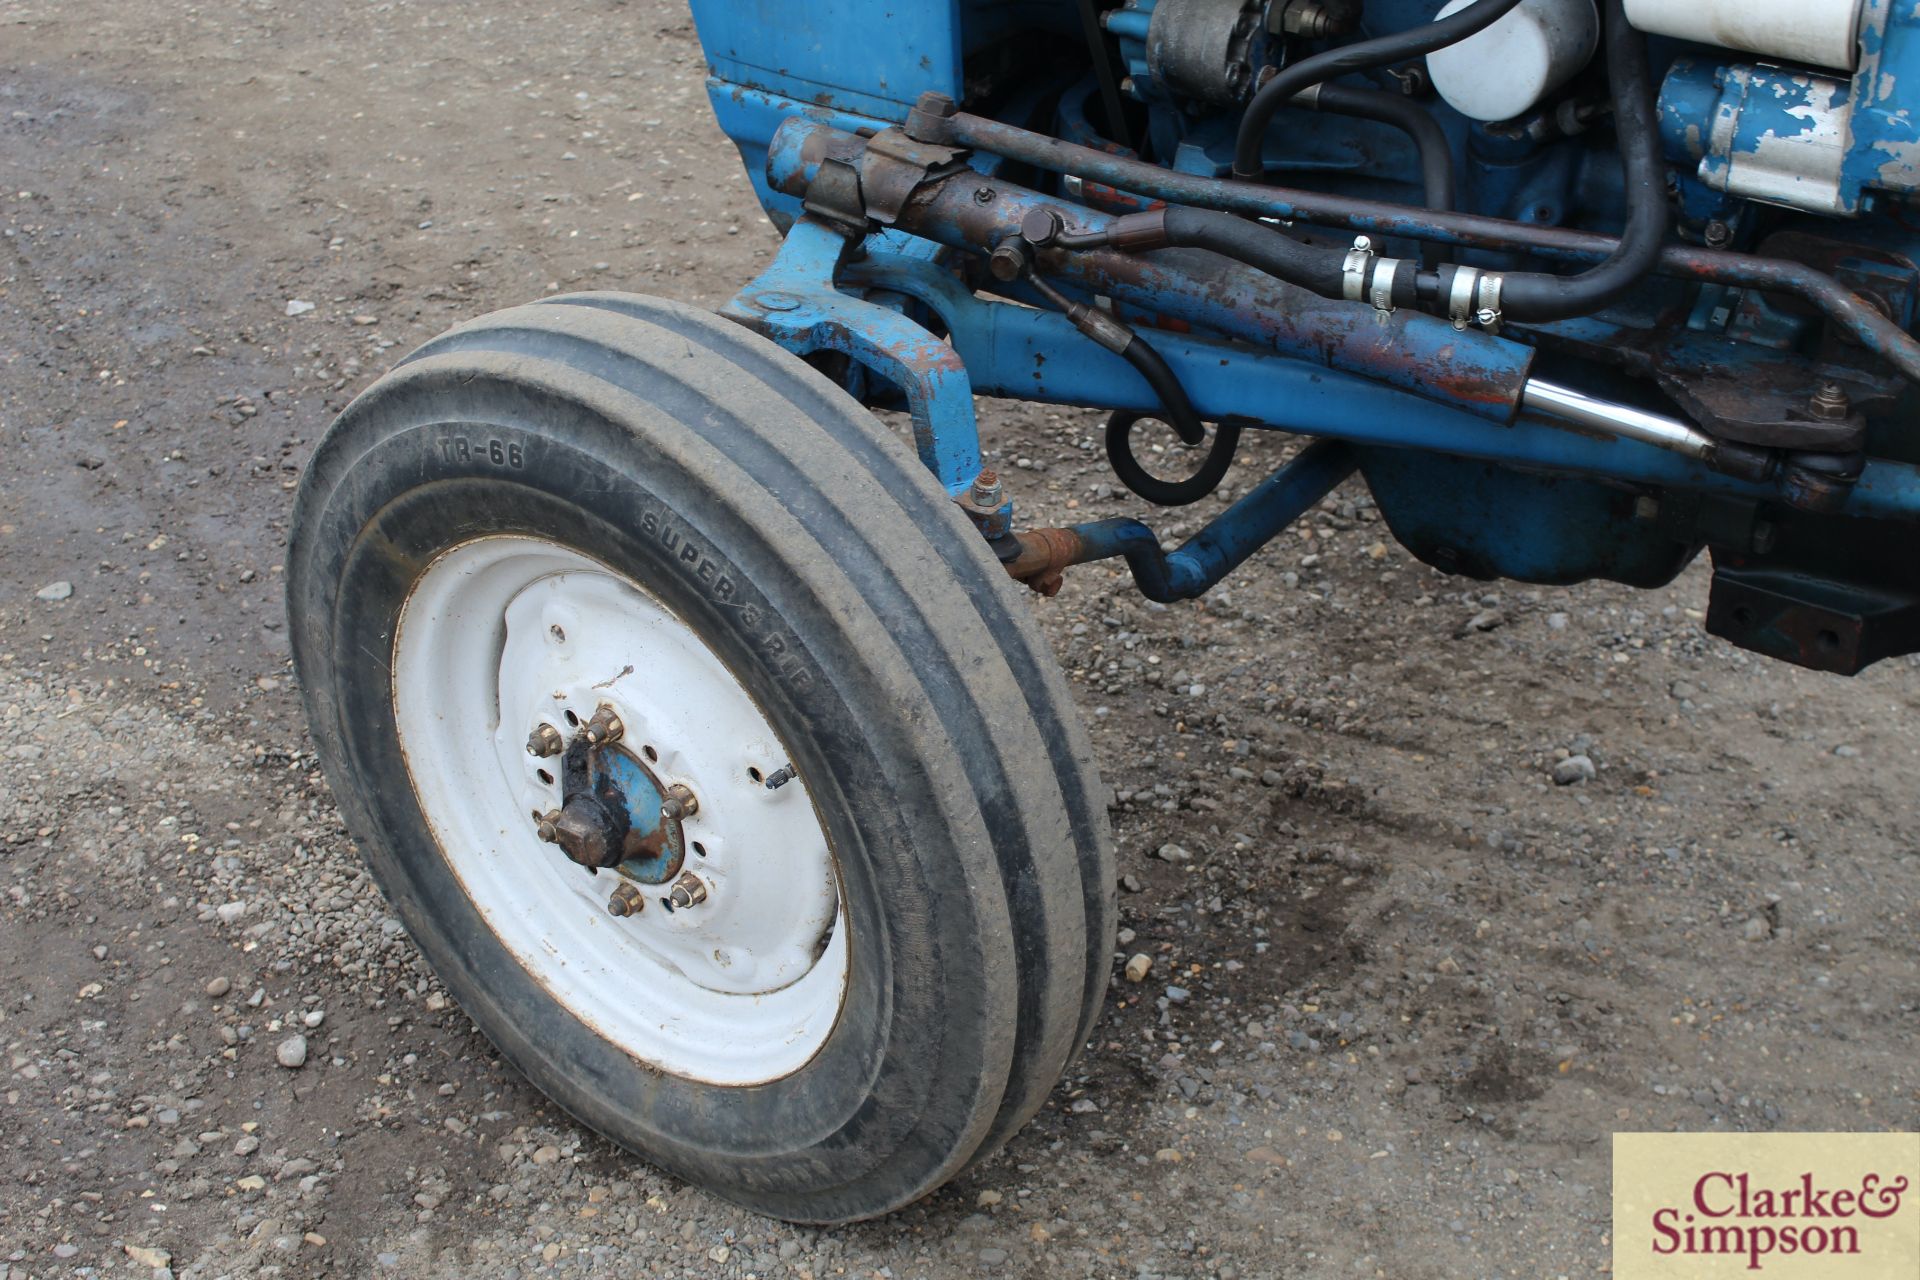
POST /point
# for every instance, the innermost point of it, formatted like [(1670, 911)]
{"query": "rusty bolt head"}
[(688, 891), (545, 741), (986, 489), (1041, 226), (627, 900), (679, 802), (1717, 234), (1830, 403), (1008, 261), (605, 728)]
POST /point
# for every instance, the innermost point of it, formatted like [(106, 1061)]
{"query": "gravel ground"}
[(1429, 886)]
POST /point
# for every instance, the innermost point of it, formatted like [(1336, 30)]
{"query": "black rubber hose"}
[(1180, 413), (1258, 246), (1537, 296), (1168, 493), (1412, 119), (1249, 143)]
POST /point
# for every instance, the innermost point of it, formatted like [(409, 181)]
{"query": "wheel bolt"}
[(626, 900), (549, 829), (545, 741), (605, 727), (680, 802), (688, 891)]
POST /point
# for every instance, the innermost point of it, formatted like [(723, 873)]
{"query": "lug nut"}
[(688, 891), (605, 728), (680, 802), (545, 741), (549, 828), (626, 900)]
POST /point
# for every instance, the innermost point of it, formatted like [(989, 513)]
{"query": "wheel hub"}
[(615, 812)]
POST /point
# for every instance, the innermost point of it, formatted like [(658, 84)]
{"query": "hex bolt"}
[(1041, 227), (986, 490), (688, 891), (627, 900), (1718, 234), (679, 802), (1830, 403), (605, 727), (545, 741), (549, 828), (1008, 262)]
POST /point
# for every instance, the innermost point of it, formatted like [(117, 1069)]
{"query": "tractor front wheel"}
[(704, 750)]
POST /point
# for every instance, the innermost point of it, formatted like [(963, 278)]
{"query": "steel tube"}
[(1614, 419), (1230, 538), (1845, 308)]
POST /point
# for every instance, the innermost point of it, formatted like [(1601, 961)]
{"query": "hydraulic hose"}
[(1168, 493), (1536, 296), (1412, 119), (1175, 405), (1250, 142), (1257, 245), (1524, 296)]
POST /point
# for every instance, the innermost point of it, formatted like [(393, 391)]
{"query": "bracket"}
[(796, 304)]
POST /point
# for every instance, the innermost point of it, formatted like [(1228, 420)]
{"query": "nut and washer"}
[(679, 802), (1830, 403), (605, 728), (545, 741), (688, 891)]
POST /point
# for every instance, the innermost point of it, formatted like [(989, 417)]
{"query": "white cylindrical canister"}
[(1512, 66), (1825, 33)]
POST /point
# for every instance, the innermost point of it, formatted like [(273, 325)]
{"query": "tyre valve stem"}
[(785, 773)]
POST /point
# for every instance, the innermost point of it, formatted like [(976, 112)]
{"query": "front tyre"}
[(705, 752)]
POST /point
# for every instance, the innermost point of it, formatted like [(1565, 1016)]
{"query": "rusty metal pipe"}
[(1842, 306), (1405, 349), (1204, 559)]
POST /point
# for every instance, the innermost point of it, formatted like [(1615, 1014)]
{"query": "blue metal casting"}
[(1027, 354), (1427, 412), (794, 302)]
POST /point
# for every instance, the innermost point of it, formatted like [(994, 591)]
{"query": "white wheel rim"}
[(503, 634)]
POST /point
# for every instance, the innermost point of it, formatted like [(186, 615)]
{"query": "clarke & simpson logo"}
[(1837, 1206)]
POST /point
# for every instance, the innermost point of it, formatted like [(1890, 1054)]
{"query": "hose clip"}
[(1353, 271), (1473, 297)]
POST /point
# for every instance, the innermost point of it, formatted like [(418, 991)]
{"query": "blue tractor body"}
[(1467, 472)]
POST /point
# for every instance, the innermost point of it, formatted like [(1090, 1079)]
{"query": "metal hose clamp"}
[(1353, 271), (1385, 270), (1488, 316), (1460, 307)]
